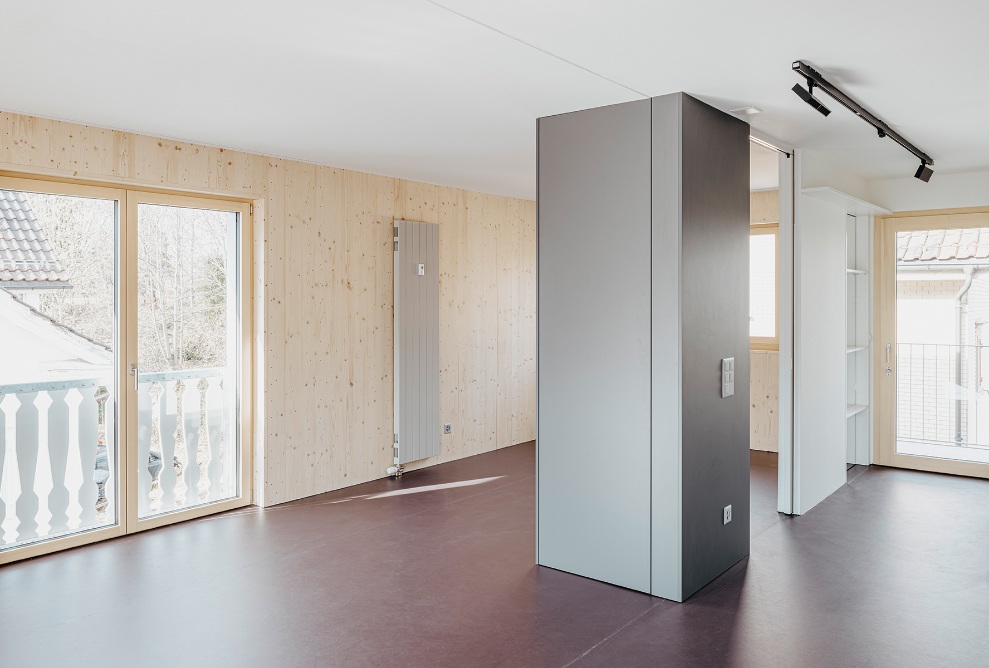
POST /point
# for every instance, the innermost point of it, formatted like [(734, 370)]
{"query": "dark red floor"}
[(892, 570)]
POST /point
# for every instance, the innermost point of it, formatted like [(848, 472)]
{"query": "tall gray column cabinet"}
[(643, 224)]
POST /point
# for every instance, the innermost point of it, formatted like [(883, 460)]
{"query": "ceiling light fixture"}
[(814, 78), (808, 97), (924, 173), (745, 111)]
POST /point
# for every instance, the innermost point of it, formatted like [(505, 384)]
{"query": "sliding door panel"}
[(58, 395), (187, 374)]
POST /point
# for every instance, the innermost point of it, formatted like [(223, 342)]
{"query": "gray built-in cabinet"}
[(643, 242)]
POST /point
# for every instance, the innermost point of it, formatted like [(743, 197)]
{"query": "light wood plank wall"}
[(764, 390), (323, 240)]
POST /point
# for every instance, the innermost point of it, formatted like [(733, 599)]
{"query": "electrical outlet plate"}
[(727, 514), (447, 428)]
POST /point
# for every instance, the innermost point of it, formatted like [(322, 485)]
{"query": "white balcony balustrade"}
[(55, 459), (58, 451), (183, 414)]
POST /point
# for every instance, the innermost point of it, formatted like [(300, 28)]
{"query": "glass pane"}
[(762, 285), (188, 445), (58, 445), (942, 311)]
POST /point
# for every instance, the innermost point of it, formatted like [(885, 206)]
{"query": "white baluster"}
[(73, 460), (203, 453), (154, 449), (223, 444), (43, 483), (181, 456), (10, 479), (102, 470)]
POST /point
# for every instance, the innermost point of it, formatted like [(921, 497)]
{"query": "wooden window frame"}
[(127, 198)]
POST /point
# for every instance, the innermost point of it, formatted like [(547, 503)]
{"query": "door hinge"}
[(252, 209), (396, 239)]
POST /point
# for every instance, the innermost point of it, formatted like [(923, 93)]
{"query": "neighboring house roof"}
[(36, 348), (943, 245), (26, 256)]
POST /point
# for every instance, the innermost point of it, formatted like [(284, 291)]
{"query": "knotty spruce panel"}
[(323, 254)]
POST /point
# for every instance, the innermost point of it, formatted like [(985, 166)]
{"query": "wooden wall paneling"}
[(367, 264), (332, 369), (298, 412), (259, 217), (448, 214), (482, 210), (311, 297), (764, 207), (379, 194), (321, 240), (764, 394), (322, 229), (276, 390), (507, 286), (527, 323)]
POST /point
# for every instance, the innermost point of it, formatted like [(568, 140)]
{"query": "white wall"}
[(944, 191), (819, 170)]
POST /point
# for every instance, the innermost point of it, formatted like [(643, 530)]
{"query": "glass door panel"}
[(942, 312), (188, 443), (58, 361)]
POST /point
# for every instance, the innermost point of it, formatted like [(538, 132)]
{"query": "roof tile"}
[(943, 245), (26, 255)]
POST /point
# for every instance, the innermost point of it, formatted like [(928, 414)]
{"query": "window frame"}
[(127, 197), (768, 342)]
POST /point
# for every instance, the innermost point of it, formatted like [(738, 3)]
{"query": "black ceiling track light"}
[(814, 79)]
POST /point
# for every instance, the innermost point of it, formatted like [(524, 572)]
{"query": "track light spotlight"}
[(814, 79), (808, 97), (924, 173)]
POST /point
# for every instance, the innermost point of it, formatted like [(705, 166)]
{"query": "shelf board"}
[(857, 271), (850, 203), (855, 349), (854, 409)]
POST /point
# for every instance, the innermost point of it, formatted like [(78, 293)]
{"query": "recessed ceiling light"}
[(746, 111)]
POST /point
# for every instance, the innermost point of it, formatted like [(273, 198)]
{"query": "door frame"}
[(127, 198), (245, 352), (884, 425)]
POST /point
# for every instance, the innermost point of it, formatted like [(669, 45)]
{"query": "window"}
[(125, 361), (763, 294)]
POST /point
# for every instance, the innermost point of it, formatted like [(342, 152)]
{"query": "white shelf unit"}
[(858, 318), (858, 321)]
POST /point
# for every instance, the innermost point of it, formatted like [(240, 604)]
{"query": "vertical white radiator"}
[(417, 363)]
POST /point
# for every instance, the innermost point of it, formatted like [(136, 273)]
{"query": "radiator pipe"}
[(969, 272)]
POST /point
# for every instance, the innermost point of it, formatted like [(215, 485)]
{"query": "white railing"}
[(941, 394), (184, 435), (55, 458), (58, 451)]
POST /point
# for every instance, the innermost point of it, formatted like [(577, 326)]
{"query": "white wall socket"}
[(727, 516)]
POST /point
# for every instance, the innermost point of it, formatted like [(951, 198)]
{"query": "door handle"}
[(134, 371), (889, 371)]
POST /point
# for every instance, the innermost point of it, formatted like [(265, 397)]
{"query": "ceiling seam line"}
[(536, 48)]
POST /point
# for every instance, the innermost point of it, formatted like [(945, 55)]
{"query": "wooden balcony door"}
[(125, 356), (932, 357)]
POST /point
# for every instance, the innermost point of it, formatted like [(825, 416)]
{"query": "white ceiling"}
[(413, 89)]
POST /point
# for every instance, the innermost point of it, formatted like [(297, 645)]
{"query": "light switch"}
[(422, 270), (727, 377)]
